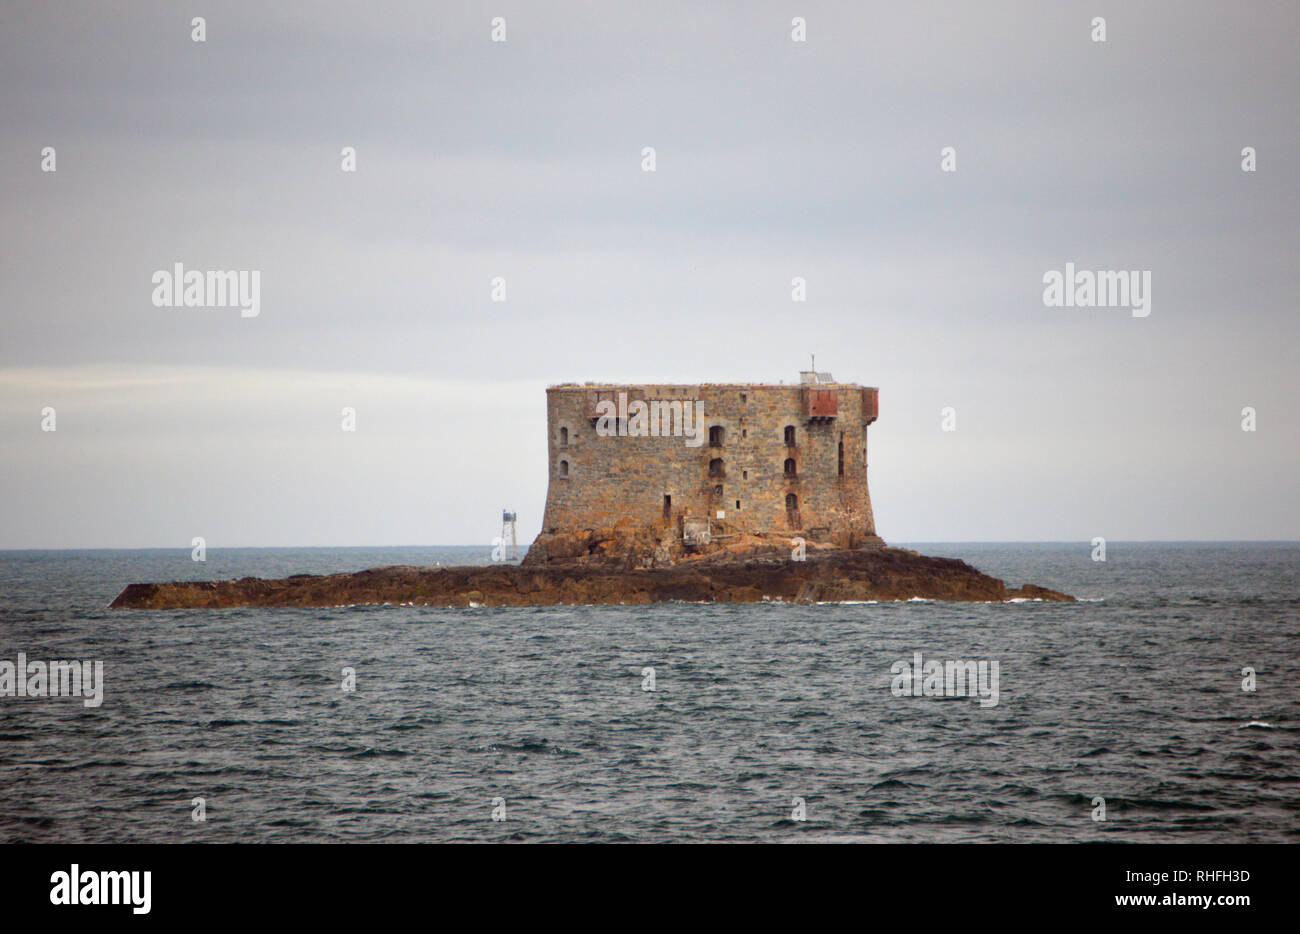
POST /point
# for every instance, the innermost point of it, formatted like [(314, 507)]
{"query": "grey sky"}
[(522, 159)]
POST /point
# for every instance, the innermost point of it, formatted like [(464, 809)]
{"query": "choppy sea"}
[(760, 714)]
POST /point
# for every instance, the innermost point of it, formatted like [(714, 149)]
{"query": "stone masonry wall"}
[(608, 482)]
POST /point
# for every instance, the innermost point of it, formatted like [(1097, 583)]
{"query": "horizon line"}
[(489, 545)]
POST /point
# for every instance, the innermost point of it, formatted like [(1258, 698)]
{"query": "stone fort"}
[(666, 470)]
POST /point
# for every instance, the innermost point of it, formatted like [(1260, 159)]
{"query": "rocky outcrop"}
[(627, 546), (742, 574)]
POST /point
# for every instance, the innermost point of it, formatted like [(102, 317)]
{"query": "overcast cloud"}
[(522, 159)]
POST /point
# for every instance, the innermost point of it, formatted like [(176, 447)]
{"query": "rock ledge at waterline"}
[(830, 575)]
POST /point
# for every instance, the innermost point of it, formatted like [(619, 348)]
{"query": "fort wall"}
[(786, 459)]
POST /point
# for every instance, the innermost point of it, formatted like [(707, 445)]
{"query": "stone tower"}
[(655, 472)]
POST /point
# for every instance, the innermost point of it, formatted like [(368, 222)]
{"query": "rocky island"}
[(873, 573), (711, 493)]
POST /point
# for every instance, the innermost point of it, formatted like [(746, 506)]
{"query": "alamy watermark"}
[(80, 886), (54, 679), (656, 418), (1106, 288), (946, 679), (178, 288)]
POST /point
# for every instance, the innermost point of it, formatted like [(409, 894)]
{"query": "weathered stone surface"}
[(874, 573), (762, 448)]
